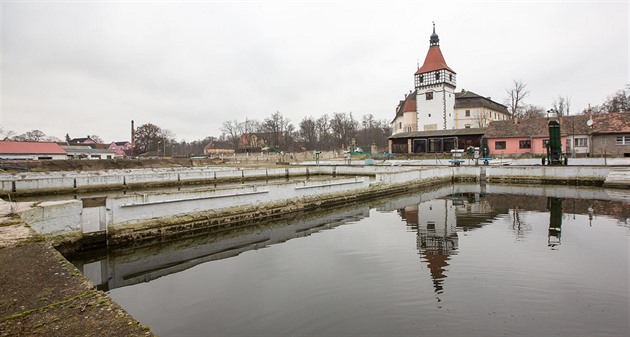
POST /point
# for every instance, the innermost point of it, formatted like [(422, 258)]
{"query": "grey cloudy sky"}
[(91, 67)]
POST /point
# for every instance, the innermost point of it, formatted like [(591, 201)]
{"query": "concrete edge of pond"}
[(44, 294)]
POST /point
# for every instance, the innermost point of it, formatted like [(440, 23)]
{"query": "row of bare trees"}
[(340, 130), (516, 95)]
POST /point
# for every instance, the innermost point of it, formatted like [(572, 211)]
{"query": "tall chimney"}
[(133, 135)]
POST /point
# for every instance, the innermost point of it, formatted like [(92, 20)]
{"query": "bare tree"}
[(344, 128), (232, 132), (308, 133), (97, 139), (481, 118), (31, 136), (6, 134), (516, 97), (533, 111), (562, 105), (619, 102), (323, 132), (250, 126), (279, 130)]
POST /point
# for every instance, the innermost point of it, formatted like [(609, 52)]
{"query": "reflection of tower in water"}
[(437, 237)]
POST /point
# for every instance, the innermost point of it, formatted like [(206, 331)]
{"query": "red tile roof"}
[(406, 105), (612, 122), (11, 147), (410, 103), (433, 61)]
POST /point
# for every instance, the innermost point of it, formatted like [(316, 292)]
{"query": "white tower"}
[(435, 85)]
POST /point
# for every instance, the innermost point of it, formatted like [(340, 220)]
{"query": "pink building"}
[(121, 149), (530, 136)]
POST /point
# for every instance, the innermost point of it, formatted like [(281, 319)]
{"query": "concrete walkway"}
[(41, 293)]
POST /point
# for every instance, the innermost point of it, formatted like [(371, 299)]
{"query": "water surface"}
[(431, 264)]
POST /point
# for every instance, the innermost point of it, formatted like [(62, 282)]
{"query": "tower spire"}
[(435, 39)]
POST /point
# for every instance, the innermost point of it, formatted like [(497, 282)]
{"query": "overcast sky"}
[(89, 68)]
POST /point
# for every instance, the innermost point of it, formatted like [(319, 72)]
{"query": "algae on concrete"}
[(43, 294)]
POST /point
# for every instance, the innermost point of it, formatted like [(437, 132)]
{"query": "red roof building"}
[(31, 150)]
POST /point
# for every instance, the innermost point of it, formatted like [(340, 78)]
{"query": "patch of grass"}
[(52, 305), (39, 325)]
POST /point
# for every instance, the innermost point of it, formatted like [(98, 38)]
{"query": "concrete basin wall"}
[(68, 182), (128, 209), (58, 217), (567, 173), (409, 175)]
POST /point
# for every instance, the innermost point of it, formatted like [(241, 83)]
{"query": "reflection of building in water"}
[(437, 222), (475, 213), (437, 236)]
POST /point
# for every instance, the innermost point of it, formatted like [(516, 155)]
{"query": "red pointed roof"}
[(434, 61)]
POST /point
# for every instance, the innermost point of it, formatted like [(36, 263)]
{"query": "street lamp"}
[(157, 150)]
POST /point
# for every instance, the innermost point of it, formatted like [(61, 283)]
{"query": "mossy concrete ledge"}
[(42, 294)]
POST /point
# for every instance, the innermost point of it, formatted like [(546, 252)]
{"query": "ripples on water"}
[(457, 265)]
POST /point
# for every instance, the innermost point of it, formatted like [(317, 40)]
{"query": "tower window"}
[(421, 78), (450, 77), (437, 75), (429, 96)]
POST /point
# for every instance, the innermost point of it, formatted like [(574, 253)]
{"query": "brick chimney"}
[(133, 135)]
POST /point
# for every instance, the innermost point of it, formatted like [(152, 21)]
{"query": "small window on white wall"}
[(581, 142)]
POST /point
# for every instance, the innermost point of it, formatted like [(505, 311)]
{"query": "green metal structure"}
[(554, 145)]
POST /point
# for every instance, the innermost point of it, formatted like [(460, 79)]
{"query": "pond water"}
[(455, 261)]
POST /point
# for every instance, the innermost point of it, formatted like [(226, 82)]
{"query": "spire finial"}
[(435, 40)]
